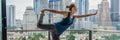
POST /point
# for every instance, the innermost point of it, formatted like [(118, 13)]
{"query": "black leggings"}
[(49, 27)]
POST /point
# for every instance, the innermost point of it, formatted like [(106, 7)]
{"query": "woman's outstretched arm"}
[(54, 11), (86, 15)]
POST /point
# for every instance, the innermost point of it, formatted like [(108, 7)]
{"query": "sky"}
[(21, 5)]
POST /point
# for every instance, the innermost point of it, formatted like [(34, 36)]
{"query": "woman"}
[(58, 28)]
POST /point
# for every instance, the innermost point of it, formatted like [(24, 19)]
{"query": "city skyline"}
[(115, 13), (96, 27), (20, 8)]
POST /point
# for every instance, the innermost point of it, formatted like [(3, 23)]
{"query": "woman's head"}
[(72, 7)]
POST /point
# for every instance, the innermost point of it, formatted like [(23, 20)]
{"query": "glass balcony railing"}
[(67, 35)]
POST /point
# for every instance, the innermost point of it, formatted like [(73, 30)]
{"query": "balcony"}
[(67, 35)]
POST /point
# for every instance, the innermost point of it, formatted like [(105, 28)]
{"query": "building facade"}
[(83, 8), (10, 16), (93, 18), (29, 19), (18, 23), (104, 14), (115, 12)]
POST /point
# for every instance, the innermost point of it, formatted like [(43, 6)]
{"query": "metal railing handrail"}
[(90, 31), (114, 31)]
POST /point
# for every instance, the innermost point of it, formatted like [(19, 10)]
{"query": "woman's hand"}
[(42, 14), (96, 12), (42, 11)]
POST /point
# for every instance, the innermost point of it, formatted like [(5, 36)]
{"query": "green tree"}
[(36, 36), (112, 37), (79, 32), (70, 37), (96, 39), (33, 37), (22, 38), (86, 38)]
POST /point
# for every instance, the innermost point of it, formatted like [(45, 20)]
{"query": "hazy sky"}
[(22, 4)]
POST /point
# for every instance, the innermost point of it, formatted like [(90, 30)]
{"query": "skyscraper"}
[(10, 16), (104, 16), (93, 18), (115, 12), (83, 7), (18, 23), (29, 19)]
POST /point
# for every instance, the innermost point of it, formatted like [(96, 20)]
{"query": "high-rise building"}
[(99, 8), (104, 16), (29, 19), (115, 12), (10, 16), (18, 23), (93, 18), (83, 7)]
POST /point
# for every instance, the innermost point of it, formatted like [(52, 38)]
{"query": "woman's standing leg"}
[(55, 36)]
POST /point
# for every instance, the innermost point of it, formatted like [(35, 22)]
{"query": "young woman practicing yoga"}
[(68, 18)]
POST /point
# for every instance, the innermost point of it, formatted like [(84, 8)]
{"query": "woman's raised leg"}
[(44, 26)]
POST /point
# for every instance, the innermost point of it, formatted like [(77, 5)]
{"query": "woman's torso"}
[(64, 23)]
